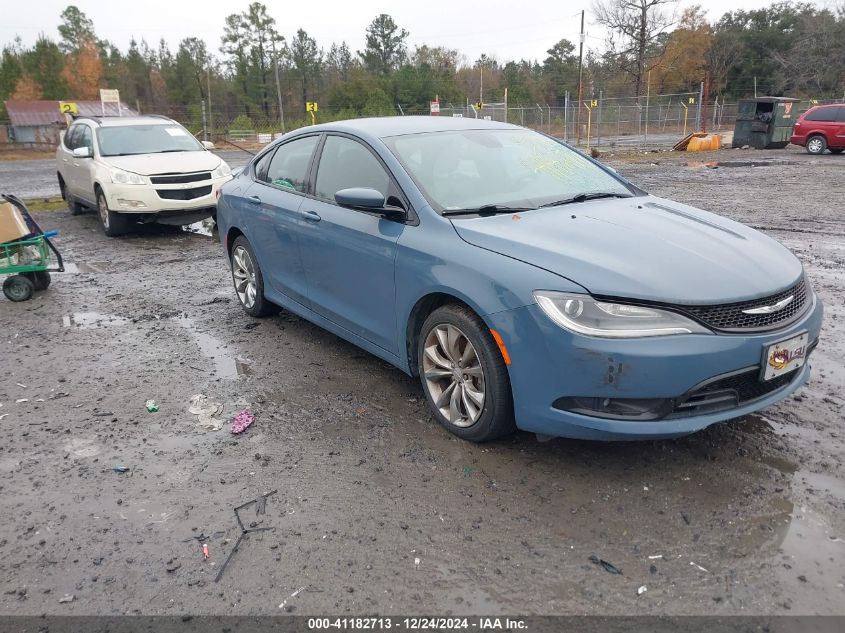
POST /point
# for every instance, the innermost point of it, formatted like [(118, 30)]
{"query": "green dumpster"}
[(765, 122)]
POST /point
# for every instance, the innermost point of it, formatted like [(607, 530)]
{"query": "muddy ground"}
[(378, 509)]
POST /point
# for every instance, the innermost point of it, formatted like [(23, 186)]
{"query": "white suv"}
[(138, 169)]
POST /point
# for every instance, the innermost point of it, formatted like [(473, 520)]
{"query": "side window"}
[(72, 137), (288, 167), (345, 163), (822, 114), (841, 116), (262, 165), (84, 138)]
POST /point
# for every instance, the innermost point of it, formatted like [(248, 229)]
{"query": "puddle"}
[(204, 227), (92, 320), (225, 366), (714, 164)]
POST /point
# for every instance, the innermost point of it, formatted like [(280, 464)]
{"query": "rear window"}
[(823, 114)]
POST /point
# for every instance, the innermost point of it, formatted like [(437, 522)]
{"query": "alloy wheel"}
[(243, 272), (453, 375), (814, 145)]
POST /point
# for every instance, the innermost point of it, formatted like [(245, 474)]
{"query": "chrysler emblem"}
[(772, 308)]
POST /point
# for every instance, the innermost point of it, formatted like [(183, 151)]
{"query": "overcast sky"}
[(504, 28)]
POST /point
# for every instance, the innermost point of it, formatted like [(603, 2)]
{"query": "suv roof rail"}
[(76, 117)]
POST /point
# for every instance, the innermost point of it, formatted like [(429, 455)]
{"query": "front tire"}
[(248, 279), (114, 224), (816, 144), (18, 288), (464, 376)]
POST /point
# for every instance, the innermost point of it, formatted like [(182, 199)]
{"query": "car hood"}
[(170, 163), (641, 248)]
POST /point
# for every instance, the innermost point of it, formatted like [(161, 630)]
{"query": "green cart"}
[(28, 260)]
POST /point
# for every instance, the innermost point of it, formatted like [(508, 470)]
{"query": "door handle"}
[(254, 199), (311, 215)]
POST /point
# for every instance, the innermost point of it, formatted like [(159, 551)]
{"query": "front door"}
[(349, 255), (271, 210)]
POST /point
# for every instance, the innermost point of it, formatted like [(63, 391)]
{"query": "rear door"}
[(66, 158), (349, 255), (839, 132), (83, 168), (271, 214)]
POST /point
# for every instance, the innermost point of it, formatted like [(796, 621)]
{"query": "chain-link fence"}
[(611, 123)]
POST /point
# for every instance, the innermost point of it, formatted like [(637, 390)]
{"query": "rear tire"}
[(40, 279), (75, 207), (18, 288), (114, 224), (816, 144), (464, 376), (248, 280)]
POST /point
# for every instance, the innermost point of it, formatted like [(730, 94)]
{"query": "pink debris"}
[(241, 422)]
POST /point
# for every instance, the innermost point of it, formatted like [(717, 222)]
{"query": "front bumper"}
[(549, 364), (147, 199)]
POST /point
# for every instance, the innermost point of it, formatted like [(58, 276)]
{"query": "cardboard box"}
[(12, 225)]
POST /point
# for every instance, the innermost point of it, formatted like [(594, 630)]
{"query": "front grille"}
[(183, 194), (729, 317), (175, 179)]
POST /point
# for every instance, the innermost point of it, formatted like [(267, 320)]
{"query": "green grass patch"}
[(45, 204)]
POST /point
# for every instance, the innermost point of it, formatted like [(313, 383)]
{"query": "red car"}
[(820, 128)]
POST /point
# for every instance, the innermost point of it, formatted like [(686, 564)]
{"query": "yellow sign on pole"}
[(691, 100), (311, 108), (479, 106), (68, 107), (594, 103)]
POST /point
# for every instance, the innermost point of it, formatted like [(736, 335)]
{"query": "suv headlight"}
[(222, 171), (584, 315), (126, 177)]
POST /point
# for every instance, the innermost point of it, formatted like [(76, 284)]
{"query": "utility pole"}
[(580, 77), (481, 84), (278, 87), (208, 91)]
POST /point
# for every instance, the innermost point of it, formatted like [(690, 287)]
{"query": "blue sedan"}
[(527, 285)]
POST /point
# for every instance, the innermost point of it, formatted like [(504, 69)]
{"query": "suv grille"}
[(175, 179), (183, 194), (729, 317)]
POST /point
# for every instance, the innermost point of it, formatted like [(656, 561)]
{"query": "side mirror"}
[(368, 200), (207, 144), (82, 152)]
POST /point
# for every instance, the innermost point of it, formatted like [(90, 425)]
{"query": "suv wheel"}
[(75, 207), (464, 376), (114, 224), (816, 144)]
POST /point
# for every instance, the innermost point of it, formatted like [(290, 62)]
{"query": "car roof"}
[(120, 121), (383, 127)]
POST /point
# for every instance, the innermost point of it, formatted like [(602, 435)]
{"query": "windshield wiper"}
[(487, 209), (167, 151), (583, 197)]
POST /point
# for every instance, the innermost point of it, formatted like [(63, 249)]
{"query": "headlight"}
[(222, 171), (126, 177), (584, 315)]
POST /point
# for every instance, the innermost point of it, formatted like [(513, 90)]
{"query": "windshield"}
[(145, 139), (469, 169)]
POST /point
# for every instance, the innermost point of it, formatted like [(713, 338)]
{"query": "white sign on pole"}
[(110, 95), (435, 107)]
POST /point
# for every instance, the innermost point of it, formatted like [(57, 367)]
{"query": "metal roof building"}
[(40, 121)]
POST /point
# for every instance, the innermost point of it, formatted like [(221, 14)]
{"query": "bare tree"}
[(634, 27)]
